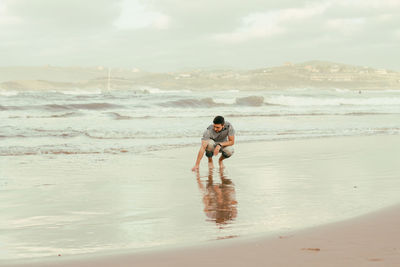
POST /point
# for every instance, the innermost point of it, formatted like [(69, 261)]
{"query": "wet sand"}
[(370, 240), (366, 240)]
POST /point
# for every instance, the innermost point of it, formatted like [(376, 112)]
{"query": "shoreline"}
[(361, 241), (38, 86)]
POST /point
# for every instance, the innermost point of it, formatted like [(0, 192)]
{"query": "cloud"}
[(71, 15), (376, 4), (345, 25), (261, 25), (173, 34), (136, 15), (397, 35), (5, 17)]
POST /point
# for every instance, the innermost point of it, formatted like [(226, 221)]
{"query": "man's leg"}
[(210, 152), (226, 153), (221, 164), (210, 163)]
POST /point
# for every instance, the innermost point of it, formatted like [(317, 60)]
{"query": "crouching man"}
[(218, 138)]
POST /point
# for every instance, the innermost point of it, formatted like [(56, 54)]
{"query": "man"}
[(218, 138)]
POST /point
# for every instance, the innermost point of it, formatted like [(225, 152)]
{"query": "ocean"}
[(79, 122)]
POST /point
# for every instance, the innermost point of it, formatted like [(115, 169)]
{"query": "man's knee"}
[(209, 154), (227, 151), (210, 146)]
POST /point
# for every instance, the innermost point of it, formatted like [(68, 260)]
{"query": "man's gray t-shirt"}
[(222, 136)]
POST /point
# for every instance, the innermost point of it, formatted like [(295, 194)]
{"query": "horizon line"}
[(101, 67)]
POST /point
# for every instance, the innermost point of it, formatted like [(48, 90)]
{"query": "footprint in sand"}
[(375, 259), (285, 236), (312, 249)]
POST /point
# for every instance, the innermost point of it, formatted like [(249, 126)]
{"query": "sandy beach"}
[(311, 202), (106, 108), (370, 240)]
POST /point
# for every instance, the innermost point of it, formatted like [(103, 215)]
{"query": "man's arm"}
[(200, 154), (230, 142)]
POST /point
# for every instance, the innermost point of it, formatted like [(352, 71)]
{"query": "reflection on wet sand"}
[(219, 199)]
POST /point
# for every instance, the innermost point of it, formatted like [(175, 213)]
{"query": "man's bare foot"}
[(221, 164), (210, 165)]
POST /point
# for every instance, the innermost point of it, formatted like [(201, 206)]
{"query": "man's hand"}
[(200, 155), (217, 149), (195, 168)]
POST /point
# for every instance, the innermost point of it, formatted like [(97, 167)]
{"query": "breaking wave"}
[(150, 90), (64, 107), (254, 101), (199, 103), (333, 101), (8, 93), (250, 101), (88, 106), (118, 116), (63, 115), (11, 108)]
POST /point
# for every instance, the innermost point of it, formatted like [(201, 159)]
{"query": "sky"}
[(170, 35)]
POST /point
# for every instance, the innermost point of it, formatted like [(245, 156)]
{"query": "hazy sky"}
[(160, 35)]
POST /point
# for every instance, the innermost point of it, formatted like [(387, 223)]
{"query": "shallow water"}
[(74, 204)]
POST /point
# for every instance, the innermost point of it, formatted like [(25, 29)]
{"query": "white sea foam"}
[(227, 101), (152, 90), (8, 93), (81, 92), (342, 90), (333, 101)]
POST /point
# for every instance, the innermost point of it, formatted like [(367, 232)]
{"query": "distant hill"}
[(61, 74), (312, 74)]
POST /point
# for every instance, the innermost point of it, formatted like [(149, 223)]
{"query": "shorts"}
[(226, 151)]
